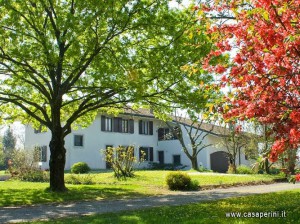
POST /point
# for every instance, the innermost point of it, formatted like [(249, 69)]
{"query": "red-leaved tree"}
[(262, 39)]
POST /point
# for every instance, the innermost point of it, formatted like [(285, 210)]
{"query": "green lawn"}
[(2, 172), (207, 212), (145, 183)]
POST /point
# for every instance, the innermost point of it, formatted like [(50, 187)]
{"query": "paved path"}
[(44, 212)]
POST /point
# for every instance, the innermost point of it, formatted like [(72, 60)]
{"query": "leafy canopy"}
[(61, 61)]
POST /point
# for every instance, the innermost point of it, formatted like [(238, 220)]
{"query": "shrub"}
[(122, 160), (157, 166), (2, 159), (231, 169), (79, 179), (274, 170), (203, 169), (180, 181), (80, 167), (242, 169), (23, 165), (35, 175)]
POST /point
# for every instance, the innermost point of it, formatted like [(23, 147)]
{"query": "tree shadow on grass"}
[(197, 210), (204, 212), (18, 197)]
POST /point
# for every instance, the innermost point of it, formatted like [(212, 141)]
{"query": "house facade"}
[(138, 129)]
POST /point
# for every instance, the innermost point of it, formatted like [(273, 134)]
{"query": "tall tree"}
[(191, 132), (9, 142), (2, 155), (63, 61), (234, 140), (264, 71)]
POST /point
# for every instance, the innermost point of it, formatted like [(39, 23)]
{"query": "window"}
[(117, 124), (165, 134), (41, 153), (145, 127), (147, 152), (106, 123), (78, 140), (124, 126), (176, 160)]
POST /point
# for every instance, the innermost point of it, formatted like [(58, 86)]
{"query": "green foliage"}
[(65, 61), (80, 167), (34, 175), (9, 142), (203, 169), (231, 169), (122, 160), (165, 166), (274, 170), (2, 158), (180, 181), (142, 51), (242, 169), (23, 165), (79, 179)]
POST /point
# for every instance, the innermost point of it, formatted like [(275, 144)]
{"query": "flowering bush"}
[(122, 160), (295, 178)]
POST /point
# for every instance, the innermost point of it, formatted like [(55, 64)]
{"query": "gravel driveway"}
[(50, 211)]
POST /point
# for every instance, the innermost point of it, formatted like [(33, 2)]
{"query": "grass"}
[(157, 178), (145, 183), (2, 172), (206, 212)]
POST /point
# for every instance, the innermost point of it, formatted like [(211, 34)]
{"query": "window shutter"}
[(140, 127), (102, 123), (117, 124), (44, 153), (131, 126), (120, 124), (151, 154), (150, 127), (161, 134)]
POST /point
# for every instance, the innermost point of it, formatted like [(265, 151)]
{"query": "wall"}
[(32, 139), (173, 147), (95, 140)]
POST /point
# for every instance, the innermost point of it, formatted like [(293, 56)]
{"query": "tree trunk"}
[(232, 165), (266, 165), (194, 161), (291, 162), (57, 161)]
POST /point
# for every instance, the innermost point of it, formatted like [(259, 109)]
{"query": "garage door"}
[(219, 161)]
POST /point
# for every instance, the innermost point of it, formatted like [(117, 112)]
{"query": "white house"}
[(139, 129)]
